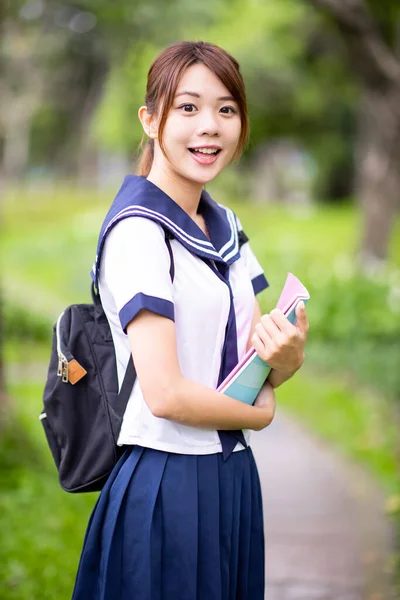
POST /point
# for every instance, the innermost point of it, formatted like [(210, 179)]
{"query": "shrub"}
[(19, 323)]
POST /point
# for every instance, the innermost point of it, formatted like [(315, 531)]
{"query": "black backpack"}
[(83, 409)]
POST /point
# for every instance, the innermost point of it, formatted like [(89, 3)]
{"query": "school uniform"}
[(180, 517)]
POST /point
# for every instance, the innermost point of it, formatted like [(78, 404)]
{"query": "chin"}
[(200, 177), (203, 180)]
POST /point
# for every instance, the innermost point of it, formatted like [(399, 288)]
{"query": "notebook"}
[(247, 378)]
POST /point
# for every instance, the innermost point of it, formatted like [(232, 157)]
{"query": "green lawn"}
[(50, 243), (42, 527)]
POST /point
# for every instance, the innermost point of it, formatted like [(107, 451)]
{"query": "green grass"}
[(357, 422), (42, 527), (50, 243), (29, 352)]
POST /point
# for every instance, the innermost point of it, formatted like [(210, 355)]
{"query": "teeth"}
[(206, 150)]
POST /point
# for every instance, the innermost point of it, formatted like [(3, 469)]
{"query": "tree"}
[(22, 90), (371, 35), (55, 56), (51, 61)]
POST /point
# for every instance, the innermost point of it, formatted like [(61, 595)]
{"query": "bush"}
[(19, 323), (356, 328), (356, 309), (42, 527)]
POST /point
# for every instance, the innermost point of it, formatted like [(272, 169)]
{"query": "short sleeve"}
[(254, 269), (135, 266)]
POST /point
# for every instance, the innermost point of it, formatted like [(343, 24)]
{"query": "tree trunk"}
[(16, 147), (378, 171), (87, 152), (376, 66)]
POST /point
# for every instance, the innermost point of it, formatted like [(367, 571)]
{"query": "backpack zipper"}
[(62, 370)]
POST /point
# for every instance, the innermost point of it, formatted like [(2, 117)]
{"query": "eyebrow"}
[(196, 95)]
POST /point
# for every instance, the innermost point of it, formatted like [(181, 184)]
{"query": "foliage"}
[(116, 125), (298, 85), (297, 88), (358, 309), (356, 328), (42, 526), (20, 323)]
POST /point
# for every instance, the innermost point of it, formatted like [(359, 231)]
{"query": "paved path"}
[(326, 534)]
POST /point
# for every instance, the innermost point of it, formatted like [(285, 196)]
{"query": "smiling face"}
[(202, 130)]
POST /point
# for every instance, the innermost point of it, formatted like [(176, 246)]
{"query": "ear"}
[(148, 122)]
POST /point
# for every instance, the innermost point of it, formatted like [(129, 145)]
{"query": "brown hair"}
[(163, 79)]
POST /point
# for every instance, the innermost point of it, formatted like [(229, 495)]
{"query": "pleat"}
[(209, 573), (87, 578), (244, 535), (179, 499), (256, 568), (141, 531), (112, 529), (227, 483)]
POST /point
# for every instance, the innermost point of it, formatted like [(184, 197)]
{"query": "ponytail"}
[(146, 160)]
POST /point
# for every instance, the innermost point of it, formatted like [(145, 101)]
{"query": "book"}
[(247, 378)]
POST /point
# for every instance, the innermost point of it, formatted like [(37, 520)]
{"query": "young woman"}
[(180, 517)]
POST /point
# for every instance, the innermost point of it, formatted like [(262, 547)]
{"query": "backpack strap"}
[(130, 373), (242, 238), (126, 388), (168, 237)]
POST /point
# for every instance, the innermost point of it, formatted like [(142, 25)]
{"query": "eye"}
[(228, 110), (188, 108)]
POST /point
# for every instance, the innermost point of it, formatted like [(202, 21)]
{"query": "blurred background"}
[(317, 191)]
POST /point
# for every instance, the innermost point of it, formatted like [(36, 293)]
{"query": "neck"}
[(184, 192)]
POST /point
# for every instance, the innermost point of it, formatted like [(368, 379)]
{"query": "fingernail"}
[(301, 305)]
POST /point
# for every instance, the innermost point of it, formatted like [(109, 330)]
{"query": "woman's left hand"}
[(279, 343)]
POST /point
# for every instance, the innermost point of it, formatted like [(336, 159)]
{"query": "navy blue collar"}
[(138, 197)]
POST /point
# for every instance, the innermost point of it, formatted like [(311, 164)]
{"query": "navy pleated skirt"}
[(175, 527)]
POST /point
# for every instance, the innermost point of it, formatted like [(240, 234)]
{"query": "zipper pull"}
[(65, 371), (62, 369)]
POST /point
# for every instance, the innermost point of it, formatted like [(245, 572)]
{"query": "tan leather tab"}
[(75, 371)]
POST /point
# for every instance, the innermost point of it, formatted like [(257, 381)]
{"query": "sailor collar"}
[(139, 197)]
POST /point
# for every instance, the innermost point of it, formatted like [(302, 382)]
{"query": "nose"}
[(208, 124)]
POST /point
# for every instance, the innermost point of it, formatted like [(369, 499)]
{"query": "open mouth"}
[(205, 151)]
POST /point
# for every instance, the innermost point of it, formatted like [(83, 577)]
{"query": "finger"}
[(282, 322), (261, 333), (270, 346), (301, 317), (271, 328), (258, 345), (263, 346)]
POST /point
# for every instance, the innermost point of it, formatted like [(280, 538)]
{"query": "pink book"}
[(245, 380)]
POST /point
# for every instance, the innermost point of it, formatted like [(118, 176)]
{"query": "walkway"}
[(326, 534)]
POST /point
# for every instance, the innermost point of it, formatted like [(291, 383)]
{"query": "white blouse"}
[(135, 274)]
